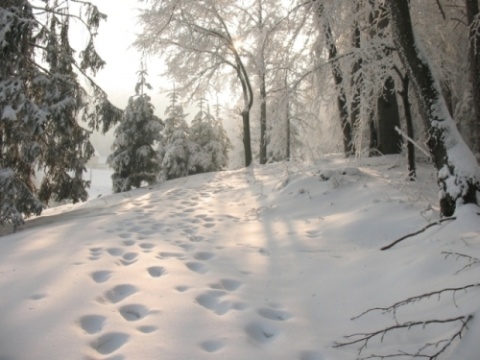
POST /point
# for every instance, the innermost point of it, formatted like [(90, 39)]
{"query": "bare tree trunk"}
[(356, 80), (338, 79), (474, 58), (246, 138), (409, 121), (389, 140), (458, 172), (287, 118), (263, 120)]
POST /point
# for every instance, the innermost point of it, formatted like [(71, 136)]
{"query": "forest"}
[(319, 202)]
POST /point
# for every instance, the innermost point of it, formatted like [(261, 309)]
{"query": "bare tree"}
[(337, 76), (198, 43), (473, 20), (458, 172)]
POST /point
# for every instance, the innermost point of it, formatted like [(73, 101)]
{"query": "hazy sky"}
[(114, 43)]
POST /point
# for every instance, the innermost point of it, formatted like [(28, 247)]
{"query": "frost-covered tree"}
[(199, 41), (209, 137), (176, 148), (458, 172), (134, 158), (40, 104), (66, 147)]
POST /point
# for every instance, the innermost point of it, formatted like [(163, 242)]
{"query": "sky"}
[(114, 43)]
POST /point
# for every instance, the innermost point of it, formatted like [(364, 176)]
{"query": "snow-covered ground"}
[(263, 263), (100, 182)]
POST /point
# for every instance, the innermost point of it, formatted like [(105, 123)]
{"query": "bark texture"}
[(474, 59), (458, 172)]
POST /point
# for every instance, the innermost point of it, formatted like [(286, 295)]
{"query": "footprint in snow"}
[(147, 247), (128, 242), (92, 324), (261, 333), (197, 267), (95, 253), (212, 300), (156, 271), (212, 346), (120, 292), (147, 329), (227, 284), (182, 288), (108, 343), (197, 238), (274, 314), (134, 312), (186, 247), (125, 235), (101, 276), (204, 255), (115, 251), (167, 254), (129, 258)]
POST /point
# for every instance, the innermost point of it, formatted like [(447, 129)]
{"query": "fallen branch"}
[(473, 261), (417, 232), (393, 308), (440, 346)]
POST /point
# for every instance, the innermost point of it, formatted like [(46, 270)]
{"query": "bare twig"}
[(473, 261), (417, 232), (363, 339), (393, 308)]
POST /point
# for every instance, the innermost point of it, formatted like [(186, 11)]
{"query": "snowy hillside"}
[(264, 263)]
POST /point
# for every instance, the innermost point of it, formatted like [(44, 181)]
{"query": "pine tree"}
[(134, 158), (40, 106)]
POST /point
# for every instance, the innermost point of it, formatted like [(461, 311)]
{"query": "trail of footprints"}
[(94, 324), (219, 298)]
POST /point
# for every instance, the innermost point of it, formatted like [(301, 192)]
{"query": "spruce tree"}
[(41, 103), (207, 133), (21, 119), (66, 147), (134, 158), (175, 149)]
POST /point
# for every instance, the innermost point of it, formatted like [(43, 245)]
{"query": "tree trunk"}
[(412, 172), (474, 58), (389, 140), (246, 138), (458, 172), (289, 141), (356, 75), (263, 120), (341, 96), (338, 79)]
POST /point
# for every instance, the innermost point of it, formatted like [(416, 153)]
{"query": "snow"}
[(267, 262)]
